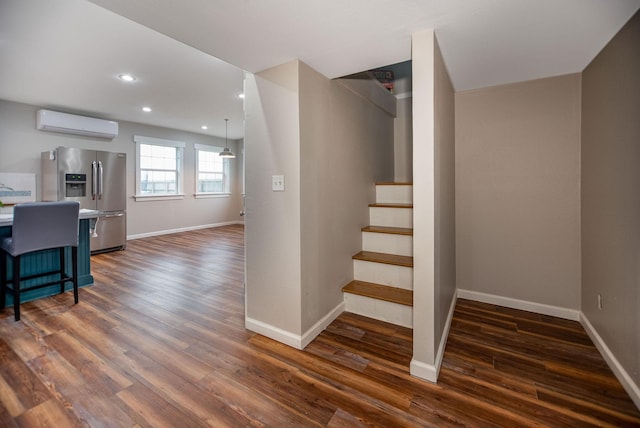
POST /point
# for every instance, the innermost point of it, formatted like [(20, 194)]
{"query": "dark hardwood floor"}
[(159, 341)]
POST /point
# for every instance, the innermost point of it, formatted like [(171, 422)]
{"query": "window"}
[(158, 168), (212, 171)]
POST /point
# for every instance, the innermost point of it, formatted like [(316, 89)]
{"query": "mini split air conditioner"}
[(53, 121)]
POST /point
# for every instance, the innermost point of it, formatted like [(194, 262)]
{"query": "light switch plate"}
[(277, 183)]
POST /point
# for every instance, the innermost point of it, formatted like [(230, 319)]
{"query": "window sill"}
[(148, 198), (211, 195)]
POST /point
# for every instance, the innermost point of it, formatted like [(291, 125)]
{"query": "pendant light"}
[(226, 153)]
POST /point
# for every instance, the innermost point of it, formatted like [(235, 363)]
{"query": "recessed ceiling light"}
[(126, 77), (241, 96), (204, 127), (146, 109)]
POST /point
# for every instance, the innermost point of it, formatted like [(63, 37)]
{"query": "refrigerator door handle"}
[(100, 176), (94, 179)]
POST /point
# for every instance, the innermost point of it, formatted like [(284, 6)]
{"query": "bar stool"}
[(40, 226)]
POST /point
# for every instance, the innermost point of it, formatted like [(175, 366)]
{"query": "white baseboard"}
[(540, 308), (445, 335), (291, 339), (430, 372), (182, 229), (321, 325), (275, 333), (424, 371), (623, 376)]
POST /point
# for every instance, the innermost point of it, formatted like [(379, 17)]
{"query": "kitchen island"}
[(48, 260)]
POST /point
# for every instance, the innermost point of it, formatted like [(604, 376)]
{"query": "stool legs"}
[(15, 281), (62, 269), (3, 281), (74, 271), (16, 287), (74, 264)]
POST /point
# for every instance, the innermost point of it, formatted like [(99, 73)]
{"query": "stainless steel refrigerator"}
[(97, 180)]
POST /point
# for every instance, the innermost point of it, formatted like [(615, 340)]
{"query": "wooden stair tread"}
[(388, 229), (389, 259), (390, 205), (394, 183), (380, 292)]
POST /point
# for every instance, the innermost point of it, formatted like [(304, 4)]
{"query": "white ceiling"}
[(66, 54)]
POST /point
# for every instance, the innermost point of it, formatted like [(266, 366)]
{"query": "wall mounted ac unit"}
[(53, 121)]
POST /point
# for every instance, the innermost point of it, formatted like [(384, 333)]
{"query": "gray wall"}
[(424, 351), (611, 196), (518, 191), (402, 130), (272, 221), (346, 145), (332, 145), (21, 144), (445, 204), (403, 141), (433, 201)]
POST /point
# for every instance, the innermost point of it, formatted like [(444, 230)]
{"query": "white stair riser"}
[(389, 243), (381, 273), (382, 310), (392, 217), (394, 194)]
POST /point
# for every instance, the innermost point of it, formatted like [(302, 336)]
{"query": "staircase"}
[(383, 270)]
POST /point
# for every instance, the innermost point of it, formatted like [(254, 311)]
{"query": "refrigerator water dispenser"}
[(75, 185)]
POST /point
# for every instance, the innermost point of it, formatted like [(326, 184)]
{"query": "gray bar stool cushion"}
[(40, 226), (43, 225)]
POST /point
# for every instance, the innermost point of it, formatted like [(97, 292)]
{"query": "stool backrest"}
[(43, 225)]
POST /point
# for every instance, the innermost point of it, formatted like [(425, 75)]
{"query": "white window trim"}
[(180, 145), (226, 172), (206, 195), (159, 141), (148, 198)]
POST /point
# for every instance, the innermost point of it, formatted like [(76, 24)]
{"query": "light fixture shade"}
[(226, 153)]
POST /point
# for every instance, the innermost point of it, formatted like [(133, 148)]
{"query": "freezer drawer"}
[(112, 233)]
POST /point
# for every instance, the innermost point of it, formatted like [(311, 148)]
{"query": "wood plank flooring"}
[(159, 341)]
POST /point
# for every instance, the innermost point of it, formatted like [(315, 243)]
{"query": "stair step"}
[(400, 243), (387, 229), (394, 193), (391, 215), (380, 292), (389, 205), (388, 259)]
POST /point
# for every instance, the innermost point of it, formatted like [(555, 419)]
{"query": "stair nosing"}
[(389, 205), (394, 183), (407, 294), (391, 230), (384, 258)]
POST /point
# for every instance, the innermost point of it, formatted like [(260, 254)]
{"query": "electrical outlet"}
[(600, 301)]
